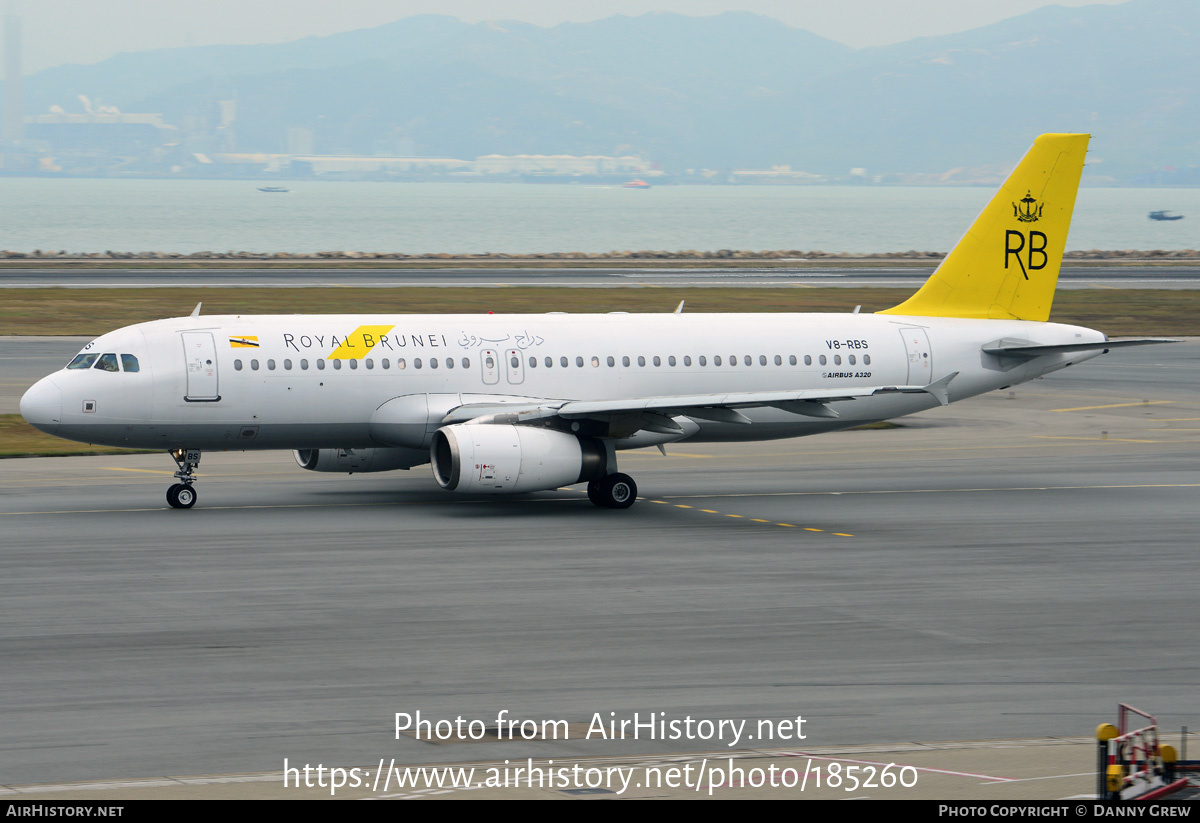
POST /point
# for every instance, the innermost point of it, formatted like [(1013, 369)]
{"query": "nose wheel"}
[(182, 495), (614, 491)]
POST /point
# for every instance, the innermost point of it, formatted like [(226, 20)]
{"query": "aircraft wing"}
[(658, 411), (1024, 348)]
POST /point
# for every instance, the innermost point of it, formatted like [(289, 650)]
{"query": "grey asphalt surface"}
[(1004, 567), (28, 359), (803, 274)]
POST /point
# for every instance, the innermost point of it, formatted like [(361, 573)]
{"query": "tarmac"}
[(999, 573)]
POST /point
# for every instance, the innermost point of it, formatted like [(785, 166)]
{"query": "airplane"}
[(502, 404)]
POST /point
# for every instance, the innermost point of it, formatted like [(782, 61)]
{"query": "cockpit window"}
[(129, 363), (107, 362), (82, 361)]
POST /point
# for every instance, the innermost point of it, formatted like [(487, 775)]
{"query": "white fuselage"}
[(317, 381)]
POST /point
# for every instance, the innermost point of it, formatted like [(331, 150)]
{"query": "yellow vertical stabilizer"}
[(1006, 265)]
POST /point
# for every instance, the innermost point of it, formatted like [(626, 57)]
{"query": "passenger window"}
[(717, 360), (387, 364), (641, 360), (107, 362), (578, 362), (353, 364), (369, 363), (400, 364), (762, 360), (466, 363), (270, 365), (778, 360), (733, 359), (549, 362), (129, 363), (625, 361), (533, 362), (791, 359), (320, 364), (337, 365), (866, 359), (562, 361), (595, 362), (287, 365), (749, 361), (304, 365), (515, 362), (657, 361), (671, 360), (851, 360), (687, 360), (432, 362), (808, 359), (417, 362), (237, 365), (837, 360), (821, 360), (611, 361), (253, 365), (703, 360), (449, 362)]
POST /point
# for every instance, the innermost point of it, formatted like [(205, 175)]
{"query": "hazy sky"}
[(85, 31)]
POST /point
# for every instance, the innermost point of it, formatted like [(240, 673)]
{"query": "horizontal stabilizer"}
[(940, 389), (1018, 348)]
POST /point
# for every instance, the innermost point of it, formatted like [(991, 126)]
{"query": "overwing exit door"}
[(516, 366), (489, 362)]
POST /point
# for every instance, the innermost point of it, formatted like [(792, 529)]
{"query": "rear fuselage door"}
[(920, 356), (200, 357)]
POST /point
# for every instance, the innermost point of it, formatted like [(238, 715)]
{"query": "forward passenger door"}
[(200, 358)]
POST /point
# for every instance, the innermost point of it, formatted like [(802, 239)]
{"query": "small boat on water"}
[(636, 184), (272, 188), (1165, 215)]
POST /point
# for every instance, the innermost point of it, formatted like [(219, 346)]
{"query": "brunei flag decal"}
[(243, 341)]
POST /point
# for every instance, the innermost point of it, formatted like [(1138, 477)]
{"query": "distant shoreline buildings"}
[(361, 167), (104, 142)]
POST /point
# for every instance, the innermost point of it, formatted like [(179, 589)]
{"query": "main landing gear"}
[(613, 491), (182, 495)]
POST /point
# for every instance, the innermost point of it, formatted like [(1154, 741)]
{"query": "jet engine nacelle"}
[(359, 460), (497, 459)]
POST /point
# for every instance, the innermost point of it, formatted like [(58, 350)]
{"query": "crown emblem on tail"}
[(1028, 211)]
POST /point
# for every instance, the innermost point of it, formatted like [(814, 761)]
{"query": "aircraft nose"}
[(41, 406)]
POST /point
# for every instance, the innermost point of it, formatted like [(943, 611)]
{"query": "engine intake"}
[(499, 459)]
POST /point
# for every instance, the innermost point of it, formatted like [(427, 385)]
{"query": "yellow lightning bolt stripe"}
[(359, 342)]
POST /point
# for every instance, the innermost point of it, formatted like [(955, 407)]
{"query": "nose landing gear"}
[(182, 495)]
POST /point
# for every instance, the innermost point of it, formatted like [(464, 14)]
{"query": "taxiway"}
[(1009, 566)]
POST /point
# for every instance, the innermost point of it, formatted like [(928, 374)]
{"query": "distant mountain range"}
[(731, 91)]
